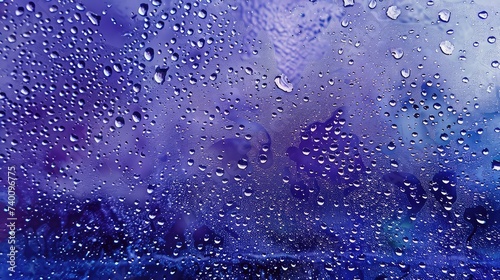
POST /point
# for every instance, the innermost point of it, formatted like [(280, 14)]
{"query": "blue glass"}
[(250, 139)]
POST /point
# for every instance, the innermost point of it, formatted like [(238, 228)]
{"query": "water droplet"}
[(391, 146), (483, 15), (248, 191), (94, 18), (283, 83), (149, 54), (202, 14), (393, 12), (73, 138), (405, 73), (492, 39), (136, 88), (399, 252), (262, 158), (160, 74), (446, 47), (444, 15), (53, 9), (12, 38), (348, 3), (372, 4), (201, 43), (136, 117), (119, 122), (117, 67), (143, 9), (107, 71), (19, 11), (397, 53), (30, 7), (219, 171), (495, 165), (242, 164)]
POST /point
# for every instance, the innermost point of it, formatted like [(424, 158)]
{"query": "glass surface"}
[(211, 139)]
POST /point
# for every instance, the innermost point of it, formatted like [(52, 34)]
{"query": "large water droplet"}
[(94, 18), (202, 14), (136, 117), (446, 47), (397, 53), (444, 15), (143, 9), (160, 74), (483, 15), (283, 83), (149, 54), (393, 12), (119, 122), (348, 3)]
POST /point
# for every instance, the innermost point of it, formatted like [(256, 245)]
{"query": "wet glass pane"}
[(250, 139)]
